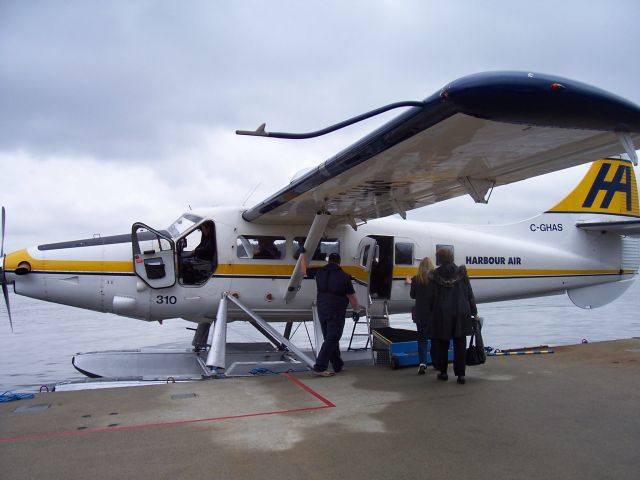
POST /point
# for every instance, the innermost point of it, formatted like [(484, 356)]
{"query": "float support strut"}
[(216, 359), (303, 357)]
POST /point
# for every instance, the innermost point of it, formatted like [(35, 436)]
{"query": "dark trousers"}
[(422, 342), (440, 351), (332, 325)]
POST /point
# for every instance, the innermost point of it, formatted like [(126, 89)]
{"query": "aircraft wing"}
[(478, 132)]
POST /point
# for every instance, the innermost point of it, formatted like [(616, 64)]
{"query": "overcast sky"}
[(122, 111)]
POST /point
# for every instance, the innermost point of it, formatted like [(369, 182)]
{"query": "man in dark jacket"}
[(335, 292), (452, 306)]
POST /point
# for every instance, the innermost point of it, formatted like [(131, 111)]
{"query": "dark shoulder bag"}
[(476, 354)]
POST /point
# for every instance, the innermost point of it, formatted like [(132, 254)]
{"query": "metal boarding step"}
[(378, 317), (355, 333)]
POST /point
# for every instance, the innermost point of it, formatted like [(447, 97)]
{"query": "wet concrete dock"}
[(570, 414)]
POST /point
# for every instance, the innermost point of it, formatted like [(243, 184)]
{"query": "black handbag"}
[(476, 354)]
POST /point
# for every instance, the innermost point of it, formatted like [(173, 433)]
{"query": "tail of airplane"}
[(608, 188), (606, 202)]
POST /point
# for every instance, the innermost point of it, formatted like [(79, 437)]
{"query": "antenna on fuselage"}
[(251, 192)]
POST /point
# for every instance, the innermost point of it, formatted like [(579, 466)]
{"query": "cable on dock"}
[(10, 396), (498, 353)]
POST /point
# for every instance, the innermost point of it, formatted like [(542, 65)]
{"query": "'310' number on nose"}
[(166, 300)]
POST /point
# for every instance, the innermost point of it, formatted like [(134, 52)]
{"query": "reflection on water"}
[(48, 335)]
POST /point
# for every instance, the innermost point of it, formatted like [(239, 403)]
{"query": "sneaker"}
[(461, 380), (421, 369), (443, 376), (324, 373)]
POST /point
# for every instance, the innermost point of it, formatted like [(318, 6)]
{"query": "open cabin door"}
[(367, 254), (153, 256)]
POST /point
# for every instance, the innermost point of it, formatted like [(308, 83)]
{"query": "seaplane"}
[(476, 133)]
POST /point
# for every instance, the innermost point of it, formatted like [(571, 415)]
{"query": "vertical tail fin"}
[(608, 188)]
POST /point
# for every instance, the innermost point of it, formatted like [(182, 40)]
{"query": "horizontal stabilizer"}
[(629, 227)]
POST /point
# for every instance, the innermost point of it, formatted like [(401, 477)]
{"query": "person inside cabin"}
[(335, 292), (202, 256), (207, 247), (420, 312), (451, 308), (266, 249)]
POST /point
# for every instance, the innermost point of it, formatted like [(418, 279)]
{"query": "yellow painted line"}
[(508, 272), (404, 271), (257, 270), (357, 273), (14, 259)]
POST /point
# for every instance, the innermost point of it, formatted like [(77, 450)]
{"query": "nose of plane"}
[(17, 263)]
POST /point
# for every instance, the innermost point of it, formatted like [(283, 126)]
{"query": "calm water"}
[(46, 335)]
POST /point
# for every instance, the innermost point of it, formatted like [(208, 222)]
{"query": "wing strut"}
[(627, 143), (310, 244)]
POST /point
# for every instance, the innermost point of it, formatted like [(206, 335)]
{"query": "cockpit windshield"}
[(182, 224)]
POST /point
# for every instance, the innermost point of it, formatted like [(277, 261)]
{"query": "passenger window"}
[(404, 253), (445, 247), (326, 246), (261, 247)]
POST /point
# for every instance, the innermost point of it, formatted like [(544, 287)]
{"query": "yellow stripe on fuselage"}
[(13, 260), (512, 272), (247, 269)]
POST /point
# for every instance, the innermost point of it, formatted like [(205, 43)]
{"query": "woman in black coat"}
[(420, 313), (452, 306)]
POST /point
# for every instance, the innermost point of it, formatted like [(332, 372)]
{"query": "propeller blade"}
[(3, 220), (3, 279), (5, 292)]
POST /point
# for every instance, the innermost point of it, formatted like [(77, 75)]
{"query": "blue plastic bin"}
[(403, 346)]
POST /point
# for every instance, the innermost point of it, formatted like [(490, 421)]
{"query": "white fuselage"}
[(544, 255)]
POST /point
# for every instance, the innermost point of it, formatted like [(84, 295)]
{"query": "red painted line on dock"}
[(73, 433), (307, 389)]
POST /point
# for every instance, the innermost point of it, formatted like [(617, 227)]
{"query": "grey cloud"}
[(128, 79)]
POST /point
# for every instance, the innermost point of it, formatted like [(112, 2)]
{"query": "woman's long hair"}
[(426, 266)]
